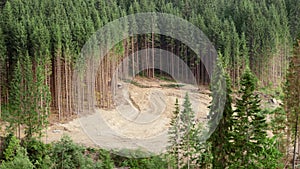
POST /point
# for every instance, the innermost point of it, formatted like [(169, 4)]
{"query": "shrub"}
[(66, 154), (10, 146), (131, 158), (105, 159), (20, 161), (38, 153)]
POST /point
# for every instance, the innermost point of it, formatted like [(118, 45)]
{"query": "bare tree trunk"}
[(132, 54), (188, 157), (153, 55), (70, 89), (66, 88), (295, 142), (127, 58), (147, 57), (0, 89), (58, 85)]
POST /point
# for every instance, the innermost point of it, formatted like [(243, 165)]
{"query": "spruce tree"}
[(174, 137), (14, 115), (30, 113), (253, 149), (188, 132), (184, 137), (2, 68), (42, 97), (292, 100), (220, 139)]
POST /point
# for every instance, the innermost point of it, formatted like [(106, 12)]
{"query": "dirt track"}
[(140, 120)]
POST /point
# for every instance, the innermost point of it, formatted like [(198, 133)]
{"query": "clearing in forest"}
[(140, 119)]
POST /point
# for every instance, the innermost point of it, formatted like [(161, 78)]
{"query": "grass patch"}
[(164, 78), (272, 91), (172, 85), (138, 84)]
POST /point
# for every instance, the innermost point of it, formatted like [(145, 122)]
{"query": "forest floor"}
[(139, 121)]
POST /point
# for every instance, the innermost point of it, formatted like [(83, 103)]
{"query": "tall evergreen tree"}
[(188, 132), (2, 69), (185, 148), (14, 114), (293, 9), (253, 149), (220, 139), (174, 137), (292, 100)]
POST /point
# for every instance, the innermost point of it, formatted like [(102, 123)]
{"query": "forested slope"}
[(41, 41), (50, 34)]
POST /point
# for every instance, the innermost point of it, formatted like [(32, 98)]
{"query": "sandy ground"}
[(139, 121)]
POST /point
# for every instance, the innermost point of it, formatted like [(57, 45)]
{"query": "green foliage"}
[(13, 115), (249, 138), (174, 137), (29, 101), (278, 127), (138, 84), (67, 155), (185, 148), (292, 99), (38, 153), (188, 133), (105, 158), (33, 35), (172, 85), (293, 9), (151, 162), (220, 139), (11, 145), (20, 161), (137, 163)]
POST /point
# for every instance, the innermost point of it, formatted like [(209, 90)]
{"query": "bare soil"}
[(139, 121)]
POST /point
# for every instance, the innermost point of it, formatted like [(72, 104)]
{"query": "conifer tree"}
[(278, 127), (220, 139), (185, 148), (188, 132), (174, 137), (14, 115), (42, 97), (29, 102), (253, 149), (2, 69), (293, 9), (292, 100)]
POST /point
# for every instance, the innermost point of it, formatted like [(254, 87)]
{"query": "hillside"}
[(65, 68), (145, 115)]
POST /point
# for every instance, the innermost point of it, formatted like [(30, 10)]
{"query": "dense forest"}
[(259, 51)]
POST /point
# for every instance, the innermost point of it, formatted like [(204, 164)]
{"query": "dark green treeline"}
[(51, 34)]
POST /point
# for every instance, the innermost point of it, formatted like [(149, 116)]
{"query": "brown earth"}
[(139, 121)]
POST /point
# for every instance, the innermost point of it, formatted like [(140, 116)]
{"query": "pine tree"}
[(174, 137), (278, 127), (218, 83), (2, 69), (29, 102), (42, 97), (292, 100), (14, 115), (293, 9), (220, 139), (188, 133), (253, 149), (185, 148)]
